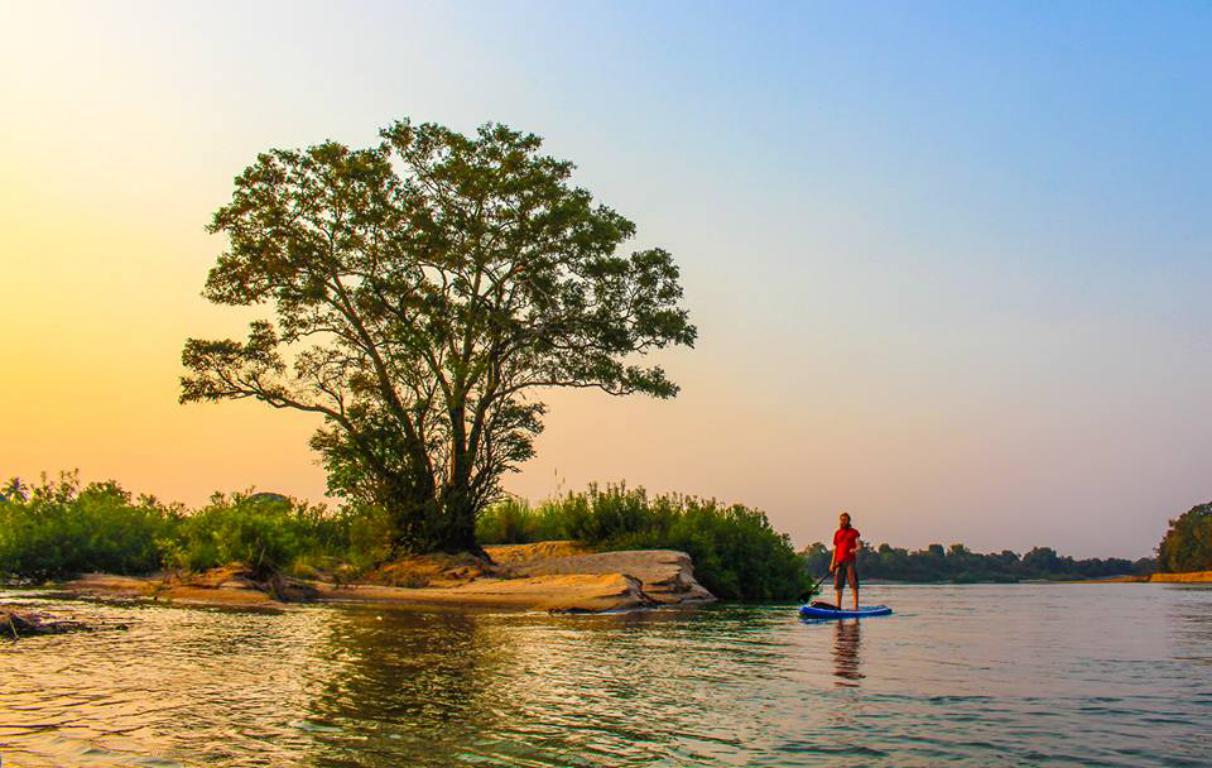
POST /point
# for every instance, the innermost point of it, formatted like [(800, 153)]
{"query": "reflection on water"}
[(847, 638), (437, 672), (983, 675)]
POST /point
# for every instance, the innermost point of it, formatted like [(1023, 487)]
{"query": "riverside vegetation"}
[(59, 528), (1187, 546)]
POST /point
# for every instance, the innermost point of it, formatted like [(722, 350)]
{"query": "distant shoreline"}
[(1192, 577)]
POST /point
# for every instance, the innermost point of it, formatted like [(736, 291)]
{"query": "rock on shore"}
[(570, 593), (665, 576), (17, 624), (559, 576)]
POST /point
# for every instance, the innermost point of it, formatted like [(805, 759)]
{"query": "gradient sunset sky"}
[(951, 264)]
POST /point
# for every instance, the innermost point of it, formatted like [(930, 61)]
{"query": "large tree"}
[(1187, 545), (423, 290)]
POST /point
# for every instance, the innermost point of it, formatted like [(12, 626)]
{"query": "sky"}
[(950, 262)]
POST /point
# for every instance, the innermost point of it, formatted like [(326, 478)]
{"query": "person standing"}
[(843, 567)]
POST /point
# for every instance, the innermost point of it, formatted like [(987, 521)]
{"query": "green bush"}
[(369, 531), (737, 555), (56, 528), (266, 533)]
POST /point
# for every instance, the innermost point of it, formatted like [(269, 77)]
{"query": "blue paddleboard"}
[(809, 612)]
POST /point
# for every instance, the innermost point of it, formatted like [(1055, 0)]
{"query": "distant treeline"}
[(959, 564), (1187, 546)]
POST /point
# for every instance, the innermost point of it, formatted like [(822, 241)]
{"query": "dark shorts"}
[(839, 576)]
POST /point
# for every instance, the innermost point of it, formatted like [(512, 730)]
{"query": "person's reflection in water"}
[(847, 640)]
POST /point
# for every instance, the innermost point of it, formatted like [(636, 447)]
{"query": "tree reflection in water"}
[(409, 683)]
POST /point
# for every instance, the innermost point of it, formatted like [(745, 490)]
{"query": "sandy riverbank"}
[(548, 576), (1191, 577)]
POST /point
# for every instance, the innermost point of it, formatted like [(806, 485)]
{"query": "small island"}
[(602, 550), (605, 549)]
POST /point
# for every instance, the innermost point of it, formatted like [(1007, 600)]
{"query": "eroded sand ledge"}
[(548, 576), (1188, 577)]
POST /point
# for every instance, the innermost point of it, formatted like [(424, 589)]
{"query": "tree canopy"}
[(423, 289), (1187, 545)]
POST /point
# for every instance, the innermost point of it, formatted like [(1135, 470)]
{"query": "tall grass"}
[(737, 555)]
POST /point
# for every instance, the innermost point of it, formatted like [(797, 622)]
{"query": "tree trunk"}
[(425, 518), (459, 530), (413, 510), (459, 525)]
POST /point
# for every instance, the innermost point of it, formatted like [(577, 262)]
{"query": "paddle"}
[(808, 595)]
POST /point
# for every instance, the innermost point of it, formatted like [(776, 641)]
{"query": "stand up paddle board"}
[(813, 612)]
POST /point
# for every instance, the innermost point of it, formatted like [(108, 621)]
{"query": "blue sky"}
[(950, 261)]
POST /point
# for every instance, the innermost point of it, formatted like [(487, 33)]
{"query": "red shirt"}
[(845, 543)]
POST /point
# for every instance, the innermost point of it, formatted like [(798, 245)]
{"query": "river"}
[(984, 675)]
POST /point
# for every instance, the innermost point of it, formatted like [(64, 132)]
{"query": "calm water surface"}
[(1117, 674)]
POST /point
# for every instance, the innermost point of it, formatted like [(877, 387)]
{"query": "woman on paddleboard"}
[(845, 549)]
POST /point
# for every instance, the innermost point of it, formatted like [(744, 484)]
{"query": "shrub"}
[(56, 528), (266, 533), (514, 521)]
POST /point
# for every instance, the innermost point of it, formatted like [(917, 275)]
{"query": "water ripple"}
[(980, 675)]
